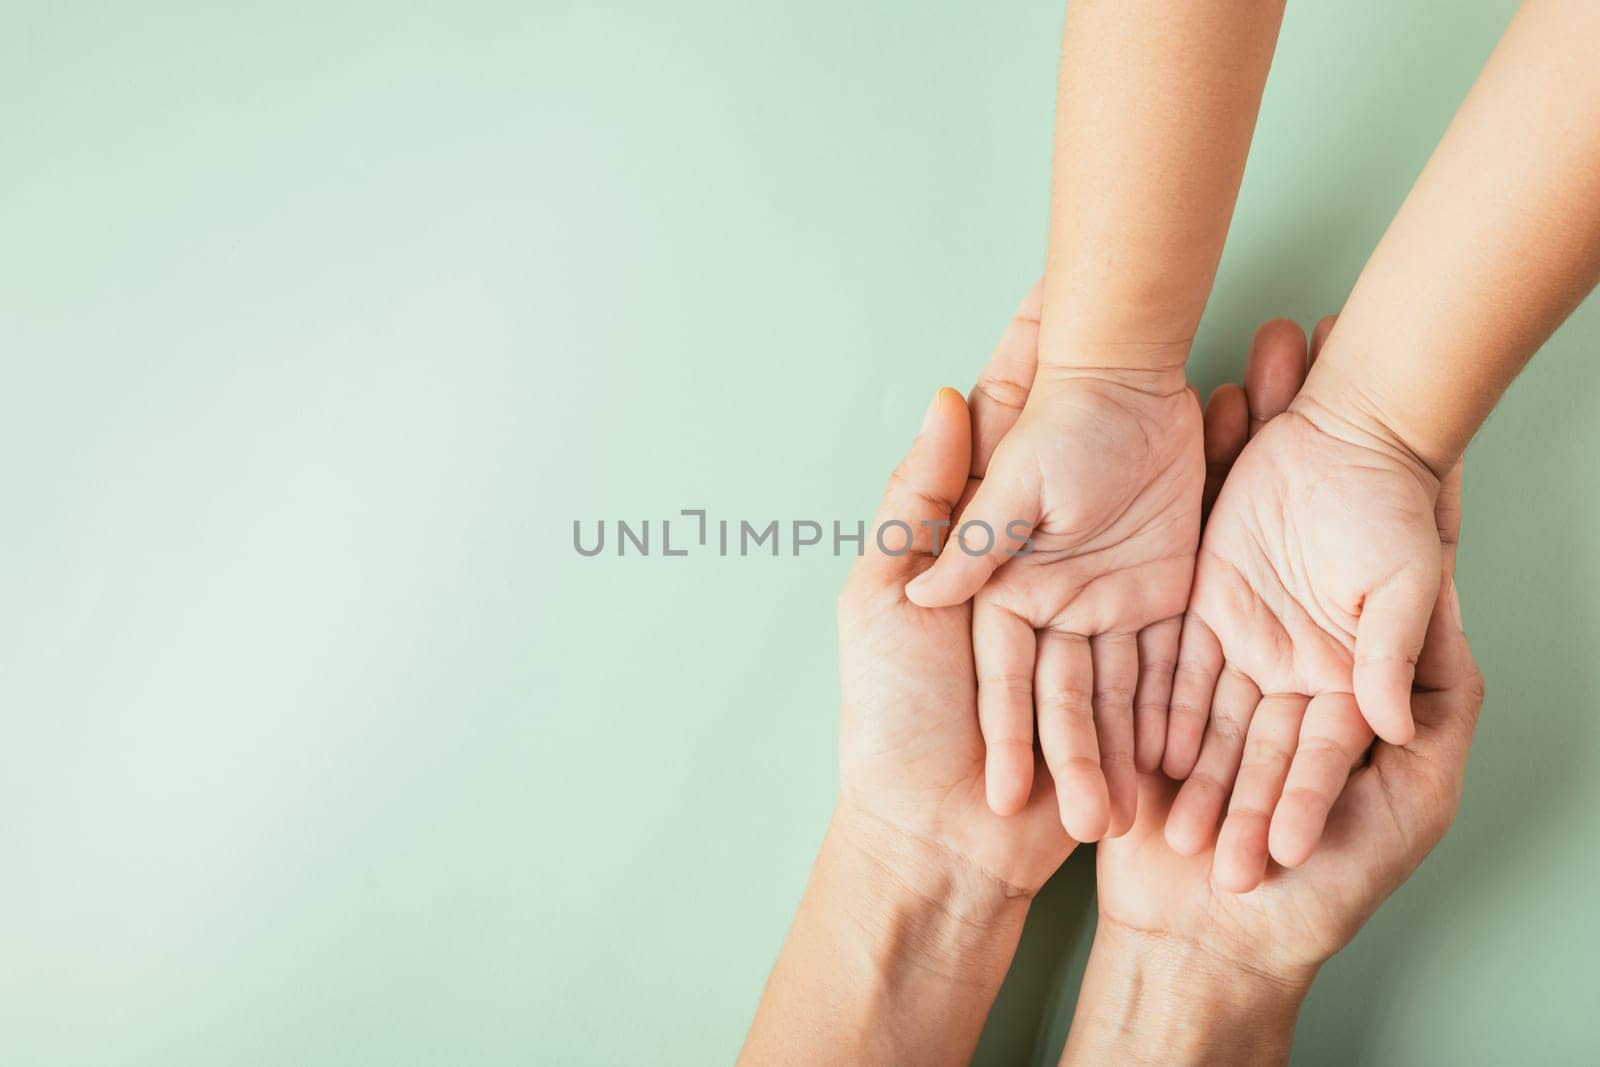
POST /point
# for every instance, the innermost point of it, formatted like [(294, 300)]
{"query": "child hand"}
[(1316, 578), (1104, 470)]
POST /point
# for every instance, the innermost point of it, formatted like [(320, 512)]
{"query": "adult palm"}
[(1389, 817), (911, 753)]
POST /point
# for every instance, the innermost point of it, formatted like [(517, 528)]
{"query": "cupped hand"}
[(911, 754), (1316, 576), (1097, 483), (1389, 812)]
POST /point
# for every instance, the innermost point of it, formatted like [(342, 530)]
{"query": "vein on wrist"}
[(1158, 999), (918, 901)]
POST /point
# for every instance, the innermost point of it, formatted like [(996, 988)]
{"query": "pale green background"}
[(320, 323)]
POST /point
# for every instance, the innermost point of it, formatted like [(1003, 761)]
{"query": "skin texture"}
[(1315, 579), (1185, 971), (1495, 245), (1104, 461), (1320, 598), (1274, 807), (919, 892), (917, 899)]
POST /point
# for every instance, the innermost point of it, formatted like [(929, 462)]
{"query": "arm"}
[(1183, 970), (895, 956), (1079, 545), (1495, 246), (918, 896), (1321, 561), (1156, 107)]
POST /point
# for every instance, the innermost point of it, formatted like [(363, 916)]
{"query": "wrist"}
[(1162, 377), (1058, 379), (914, 901), (1139, 359), (1149, 998), (895, 955), (1341, 399)]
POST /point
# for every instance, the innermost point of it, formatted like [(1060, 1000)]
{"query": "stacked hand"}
[(1231, 969), (919, 893), (1317, 574), (911, 755), (1389, 811), (1318, 571), (1102, 470)]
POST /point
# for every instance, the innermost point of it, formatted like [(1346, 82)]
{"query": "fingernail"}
[(1453, 599)]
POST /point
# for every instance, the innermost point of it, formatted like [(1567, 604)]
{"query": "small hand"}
[(1103, 471), (1316, 575), (1388, 814)]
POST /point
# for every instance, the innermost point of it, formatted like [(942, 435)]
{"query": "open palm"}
[(1104, 474), (1316, 574), (1389, 811), (911, 754)]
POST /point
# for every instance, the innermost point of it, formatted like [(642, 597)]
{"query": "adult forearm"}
[(1148, 1000), (1156, 107), (895, 956), (1495, 246)]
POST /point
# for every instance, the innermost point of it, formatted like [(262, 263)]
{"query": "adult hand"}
[(1184, 971), (1103, 470), (911, 754), (1316, 575), (918, 896)]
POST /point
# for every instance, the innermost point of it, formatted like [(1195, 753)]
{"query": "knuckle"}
[(1326, 749), (1114, 694), (1263, 750), (1066, 700), (1003, 683), (1060, 765), (1115, 755), (1163, 666), (1203, 778)]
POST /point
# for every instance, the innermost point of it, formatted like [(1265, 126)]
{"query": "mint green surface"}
[(321, 322)]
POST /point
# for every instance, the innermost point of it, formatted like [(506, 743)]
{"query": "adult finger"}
[(1319, 336), (922, 493), (1447, 515), (1227, 427), (1002, 388), (1275, 371)]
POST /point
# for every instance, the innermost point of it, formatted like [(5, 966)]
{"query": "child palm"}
[(1106, 473)]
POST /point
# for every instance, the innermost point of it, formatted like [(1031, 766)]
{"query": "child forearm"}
[(1156, 107), (1495, 246)]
